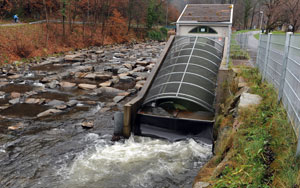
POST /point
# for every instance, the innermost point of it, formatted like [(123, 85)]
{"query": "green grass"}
[(245, 31), (235, 51), (264, 146), (257, 36)]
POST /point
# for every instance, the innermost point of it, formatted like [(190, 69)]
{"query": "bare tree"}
[(292, 13), (274, 13)]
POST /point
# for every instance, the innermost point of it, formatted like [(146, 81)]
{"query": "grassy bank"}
[(235, 50), (258, 149)]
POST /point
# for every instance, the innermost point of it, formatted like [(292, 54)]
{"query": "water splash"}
[(138, 162)]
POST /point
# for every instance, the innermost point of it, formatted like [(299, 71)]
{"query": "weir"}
[(180, 97)]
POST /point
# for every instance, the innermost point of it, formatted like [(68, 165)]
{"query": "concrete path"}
[(40, 21), (252, 46)]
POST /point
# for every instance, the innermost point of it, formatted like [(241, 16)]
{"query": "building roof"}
[(207, 13)]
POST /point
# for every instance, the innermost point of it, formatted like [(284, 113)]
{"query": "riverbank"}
[(23, 41), (256, 145)]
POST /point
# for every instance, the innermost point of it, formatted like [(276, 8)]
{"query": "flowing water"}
[(138, 162)]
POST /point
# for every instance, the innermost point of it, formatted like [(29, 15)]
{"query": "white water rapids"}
[(138, 162)]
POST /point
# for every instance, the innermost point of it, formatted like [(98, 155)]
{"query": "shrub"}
[(158, 35)]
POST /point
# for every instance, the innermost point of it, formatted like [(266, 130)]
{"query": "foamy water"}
[(138, 162)]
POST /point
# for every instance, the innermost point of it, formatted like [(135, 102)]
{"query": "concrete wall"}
[(222, 31)]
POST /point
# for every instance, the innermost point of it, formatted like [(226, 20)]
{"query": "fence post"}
[(284, 65), (229, 46), (267, 56), (258, 51)]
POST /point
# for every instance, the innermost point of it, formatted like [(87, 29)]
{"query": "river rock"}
[(49, 79), (111, 104), (110, 91), (74, 57), (32, 101), (52, 84), (87, 124), (126, 79), (151, 66), (106, 84), (4, 107), (16, 127), (141, 82), (99, 52), (14, 95), (142, 63), (91, 76), (105, 109), (115, 79), (123, 70), (87, 86), (49, 112), (55, 103), (143, 75), (248, 99), (139, 69), (61, 107), (103, 76), (118, 99), (138, 86), (119, 55), (72, 103), (14, 101), (108, 68), (201, 185), (30, 93), (80, 74), (16, 76), (124, 94), (67, 85), (128, 66), (56, 60), (3, 84), (86, 68)]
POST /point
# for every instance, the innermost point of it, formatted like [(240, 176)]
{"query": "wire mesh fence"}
[(278, 60), (244, 47)]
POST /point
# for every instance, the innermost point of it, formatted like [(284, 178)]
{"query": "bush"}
[(164, 31), (158, 35), (155, 35)]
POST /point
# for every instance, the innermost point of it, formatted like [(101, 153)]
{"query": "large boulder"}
[(248, 100)]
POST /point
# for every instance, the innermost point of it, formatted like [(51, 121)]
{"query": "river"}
[(56, 151)]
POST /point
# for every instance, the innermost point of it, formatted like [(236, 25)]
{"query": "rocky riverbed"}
[(54, 109)]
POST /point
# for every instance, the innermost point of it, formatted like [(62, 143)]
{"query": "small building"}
[(211, 20)]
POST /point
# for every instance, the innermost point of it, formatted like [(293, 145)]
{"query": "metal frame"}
[(175, 64), (159, 89), (191, 73)]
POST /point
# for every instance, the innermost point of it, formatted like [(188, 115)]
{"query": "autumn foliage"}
[(73, 24)]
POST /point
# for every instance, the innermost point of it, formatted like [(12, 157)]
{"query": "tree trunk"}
[(47, 23)]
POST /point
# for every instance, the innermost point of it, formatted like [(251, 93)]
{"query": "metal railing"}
[(278, 59)]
